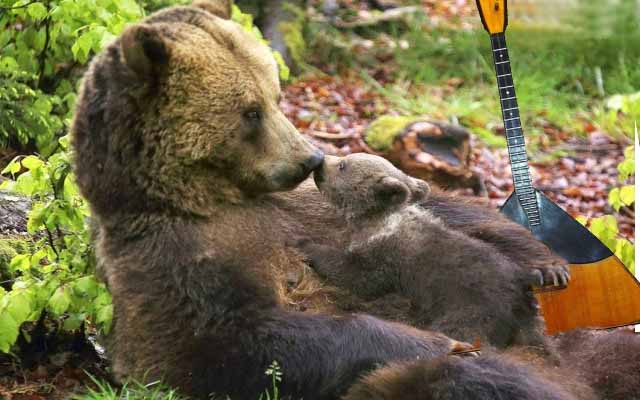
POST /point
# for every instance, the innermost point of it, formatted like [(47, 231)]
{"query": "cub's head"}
[(181, 111), (363, 185)]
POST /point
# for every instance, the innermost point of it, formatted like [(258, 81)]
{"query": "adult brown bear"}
[(178, 141)]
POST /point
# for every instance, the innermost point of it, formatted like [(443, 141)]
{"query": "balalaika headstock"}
[(493, 14)]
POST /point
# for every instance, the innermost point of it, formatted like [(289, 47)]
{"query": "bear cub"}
[(457, 284)]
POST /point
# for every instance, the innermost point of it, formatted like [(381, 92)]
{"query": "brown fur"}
[(608, 360), (179, 146), (473, 217), (458, 284), (489, 377)]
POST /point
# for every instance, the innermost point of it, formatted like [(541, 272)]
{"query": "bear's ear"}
[(390, 192), (419, 190), (144, 49), (220, 8)]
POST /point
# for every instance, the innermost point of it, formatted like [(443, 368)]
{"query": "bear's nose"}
[(313, 162)]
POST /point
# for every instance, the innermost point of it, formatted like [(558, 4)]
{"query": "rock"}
[(13, 214), (435, 151)]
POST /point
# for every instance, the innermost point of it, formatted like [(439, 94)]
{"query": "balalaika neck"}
[(513, 130)]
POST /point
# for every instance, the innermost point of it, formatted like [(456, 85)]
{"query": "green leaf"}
[(32, 162), (36, 219), (104, 316), (37, 11), (628, 194), (25, 184), (13, 167), (9, 330), (106, 39), (626, 252), (43, 105), (614, 199), (73, 321), (5, 37), (104, 298), (605, 228), (8, 64), (59, 301), (86, 286), (83, 45), (20, 306), (20, 263)]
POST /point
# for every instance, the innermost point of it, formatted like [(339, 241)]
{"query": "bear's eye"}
[(253, 115), (342, 165)]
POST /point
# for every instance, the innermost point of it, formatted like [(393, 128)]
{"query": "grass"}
[(129, 391), (159, 391), (563, 74)]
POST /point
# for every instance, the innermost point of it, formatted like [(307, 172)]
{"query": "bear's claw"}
[(463, 349), (556, 275)]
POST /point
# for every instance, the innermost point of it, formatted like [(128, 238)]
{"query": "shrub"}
[(606, 227)]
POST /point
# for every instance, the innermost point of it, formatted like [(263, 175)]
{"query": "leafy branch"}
[(20, 6)]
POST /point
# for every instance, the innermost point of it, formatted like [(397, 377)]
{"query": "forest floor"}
[(578, 180)]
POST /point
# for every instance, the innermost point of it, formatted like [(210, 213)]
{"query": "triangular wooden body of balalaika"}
[(602, 293)]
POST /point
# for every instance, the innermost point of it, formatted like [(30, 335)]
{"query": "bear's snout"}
[(312, 163)]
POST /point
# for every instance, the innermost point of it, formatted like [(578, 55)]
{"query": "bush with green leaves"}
[(56, 279), (606, 227), (44, 49)]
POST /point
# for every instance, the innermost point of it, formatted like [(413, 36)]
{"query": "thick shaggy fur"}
[(179, 142), (474, 218), (608, 360), (453, 378), (458, 284)]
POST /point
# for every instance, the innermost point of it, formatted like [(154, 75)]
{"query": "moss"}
[(246, 21), (382, 131), (10, 248), (293, 33)]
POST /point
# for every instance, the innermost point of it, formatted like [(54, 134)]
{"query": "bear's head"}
[(364, 186), (181, 112)]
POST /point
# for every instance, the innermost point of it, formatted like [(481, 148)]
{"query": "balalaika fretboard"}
[(513, 130)]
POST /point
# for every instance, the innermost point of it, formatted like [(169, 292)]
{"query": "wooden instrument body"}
[(602, 292)]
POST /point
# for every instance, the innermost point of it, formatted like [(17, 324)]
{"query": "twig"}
[(50, 237), (42, 57), (331, 136), (587, 148), (393, 14), (22, 6), (628, 212), (550, 189)]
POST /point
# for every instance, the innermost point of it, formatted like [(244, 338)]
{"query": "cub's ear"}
[(390, 192), (144, 49), (419, 189), (220, 8)]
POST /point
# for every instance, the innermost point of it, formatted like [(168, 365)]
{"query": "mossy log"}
[(435, 151)]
